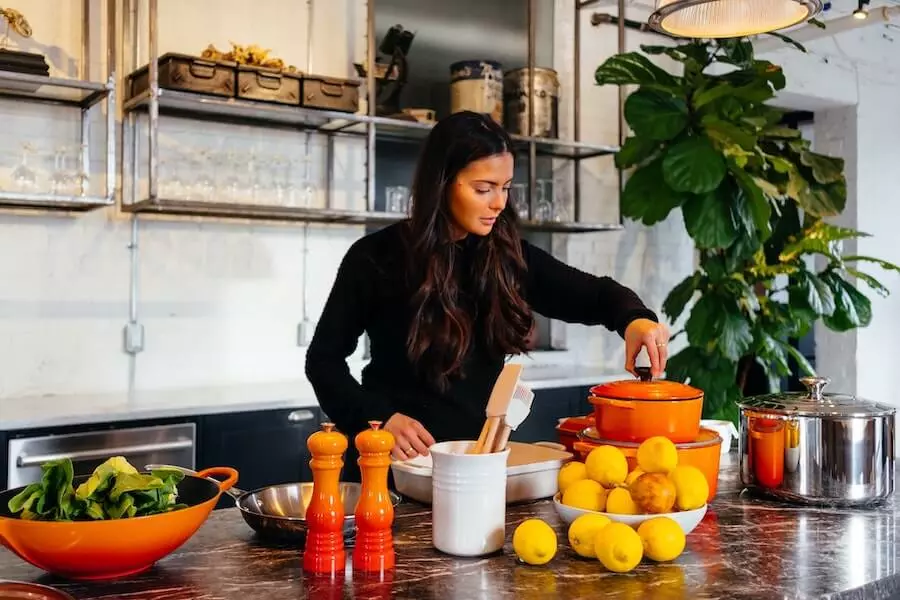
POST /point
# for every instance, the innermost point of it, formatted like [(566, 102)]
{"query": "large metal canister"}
[(546, 101), (477, 85)]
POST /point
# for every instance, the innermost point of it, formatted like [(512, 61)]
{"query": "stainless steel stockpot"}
[(817, 448)]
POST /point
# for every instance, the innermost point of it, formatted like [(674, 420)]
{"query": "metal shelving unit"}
[(82, 94), (156, 102)]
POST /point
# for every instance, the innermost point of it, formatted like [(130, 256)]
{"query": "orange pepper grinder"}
[(374, 550), (324, 553)]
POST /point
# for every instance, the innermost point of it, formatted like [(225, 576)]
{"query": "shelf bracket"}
[(134, 338)]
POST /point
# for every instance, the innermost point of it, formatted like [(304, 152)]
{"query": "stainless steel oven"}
[(161, 444)]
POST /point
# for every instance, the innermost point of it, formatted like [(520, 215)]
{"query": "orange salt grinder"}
[(374, 549), (324, 552)]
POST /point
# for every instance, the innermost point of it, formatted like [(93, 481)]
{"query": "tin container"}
[(188, 74), (268, 85), (546, 101), (817, 448), (477, 85)]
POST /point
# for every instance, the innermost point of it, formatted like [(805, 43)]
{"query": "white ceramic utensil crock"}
[(468, 499)]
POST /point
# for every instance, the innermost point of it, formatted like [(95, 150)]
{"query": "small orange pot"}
[(703, 452), (569, 428), (632, 411), (97, 550)]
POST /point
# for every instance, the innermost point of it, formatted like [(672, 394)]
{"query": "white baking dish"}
[(532, 473)]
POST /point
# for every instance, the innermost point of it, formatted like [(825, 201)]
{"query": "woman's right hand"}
[(410, 437)]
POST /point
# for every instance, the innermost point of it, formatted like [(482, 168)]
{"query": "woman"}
[(448, 294)]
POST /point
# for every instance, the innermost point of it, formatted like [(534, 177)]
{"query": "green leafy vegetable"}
[(115, 490)]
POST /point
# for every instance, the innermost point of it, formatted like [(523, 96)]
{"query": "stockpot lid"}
[(815, 403)]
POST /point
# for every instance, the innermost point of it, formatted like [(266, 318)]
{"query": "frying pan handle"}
[(231, 476)]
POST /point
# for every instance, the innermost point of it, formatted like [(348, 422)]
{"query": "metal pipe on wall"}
[(370, 93), (532, 147), (576, 112), (620, 25)]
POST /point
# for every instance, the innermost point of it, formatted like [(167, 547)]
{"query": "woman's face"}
[(479, 193)]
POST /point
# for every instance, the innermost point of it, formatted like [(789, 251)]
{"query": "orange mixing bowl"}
[(703, 453), (95, 550)]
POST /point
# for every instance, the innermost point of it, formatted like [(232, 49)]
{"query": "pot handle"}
[(231, 476), (616, 403), (643, 373)]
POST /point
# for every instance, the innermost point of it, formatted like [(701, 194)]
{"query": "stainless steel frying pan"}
[(278, 512)]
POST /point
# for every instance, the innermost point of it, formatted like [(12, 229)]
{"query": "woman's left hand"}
[(644, 333)]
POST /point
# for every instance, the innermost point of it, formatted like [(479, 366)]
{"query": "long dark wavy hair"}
[(442, 327)]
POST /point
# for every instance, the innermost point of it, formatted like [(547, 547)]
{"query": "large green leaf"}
[(633, 68), (715, 324), (779, 132), (737, 52), (757, 201), (647, 198), (887, 266), (825, 169), (761, 70), (694, 166), (851, 308), (709, 220), (680, 295), (819, 238), (697, 52), (727, 133), (635, 150), (801, 360), (810, 291), (873, 283), (655, 115)]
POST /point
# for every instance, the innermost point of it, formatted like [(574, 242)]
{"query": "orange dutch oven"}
[(632, 411), (97, 550)]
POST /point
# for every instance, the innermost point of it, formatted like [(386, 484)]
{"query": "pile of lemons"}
[(603, 484)]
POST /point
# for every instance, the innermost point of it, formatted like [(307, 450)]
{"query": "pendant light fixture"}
[(729, 18)]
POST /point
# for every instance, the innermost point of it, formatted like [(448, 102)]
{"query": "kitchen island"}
[(745, 548)]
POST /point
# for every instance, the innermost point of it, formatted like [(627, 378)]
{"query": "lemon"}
[(657, 455), (691, 487), (534, 542), (607, 466), (586, 494), (583, 532), (663, 539), (619, 547), (619, 502), (570, 473), (632, 477)]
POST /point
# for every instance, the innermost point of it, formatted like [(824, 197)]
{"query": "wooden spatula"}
[(497, 406)]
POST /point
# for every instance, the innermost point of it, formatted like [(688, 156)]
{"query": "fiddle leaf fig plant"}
[(754, 198)]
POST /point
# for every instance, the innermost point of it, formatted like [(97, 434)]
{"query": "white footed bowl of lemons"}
[(657, 487), (686, 519)]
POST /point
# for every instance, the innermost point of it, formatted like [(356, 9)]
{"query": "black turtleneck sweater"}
[(370, 295)]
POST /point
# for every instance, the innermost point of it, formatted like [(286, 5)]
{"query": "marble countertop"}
[(29, 412), (744, 548)]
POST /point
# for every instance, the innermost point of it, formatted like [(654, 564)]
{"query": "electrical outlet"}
[(134, 338)]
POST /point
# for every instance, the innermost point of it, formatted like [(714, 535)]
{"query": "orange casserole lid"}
[(645, 389)]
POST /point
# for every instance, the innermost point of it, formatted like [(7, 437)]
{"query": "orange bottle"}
[(324, 553), (374, 550)]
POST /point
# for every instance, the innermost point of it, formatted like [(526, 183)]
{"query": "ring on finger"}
[(410, 450)]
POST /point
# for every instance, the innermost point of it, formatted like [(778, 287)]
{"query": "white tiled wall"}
[(220, 302)]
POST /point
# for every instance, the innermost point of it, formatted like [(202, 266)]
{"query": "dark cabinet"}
[(548, 407), (266, 447)]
